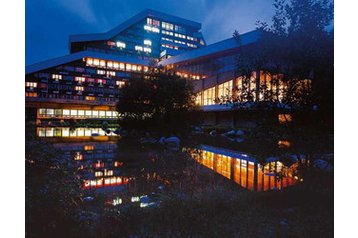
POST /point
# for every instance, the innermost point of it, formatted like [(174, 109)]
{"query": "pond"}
[(118, 174)]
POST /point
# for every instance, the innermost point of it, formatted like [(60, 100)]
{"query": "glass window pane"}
[(65, 132)]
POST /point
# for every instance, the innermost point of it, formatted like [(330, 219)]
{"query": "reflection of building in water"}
[(76, 132), (96, 160), (245, 171)]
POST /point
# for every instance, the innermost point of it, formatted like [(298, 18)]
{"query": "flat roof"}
[(228, 44), (82, 54), (143, 14)]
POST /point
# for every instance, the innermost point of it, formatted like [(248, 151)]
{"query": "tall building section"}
[(85, 83)]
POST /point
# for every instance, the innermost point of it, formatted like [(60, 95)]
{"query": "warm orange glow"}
[(78, 156), (88, 147), (111, 181), (248, 174), (284, 118), (283, 144)]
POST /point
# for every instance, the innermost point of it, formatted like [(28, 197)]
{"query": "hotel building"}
[(84, 84)]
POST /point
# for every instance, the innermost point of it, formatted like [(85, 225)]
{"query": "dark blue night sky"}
[(50, 22)]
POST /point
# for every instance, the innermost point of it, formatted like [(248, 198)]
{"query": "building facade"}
[(85, 83)]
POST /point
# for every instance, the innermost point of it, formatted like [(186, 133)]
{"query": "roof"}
[(79, 55), (115, 31), (221, 46)]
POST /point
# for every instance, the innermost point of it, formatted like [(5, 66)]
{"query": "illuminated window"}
[(111, 43), (80, 79), (121, 66), (138, 48), (108, 114), (66, 112), (90, 98), (31, 84), (98, 174), (81, 113), (101, 72), (78, 156), (128, 67), (73, 112), (148, 50), (31, 95), (79, 88), (225, 89), (284, 118), (95, 113), (151, 28), (109, 64), (167, 39), (115, 65), (167, 26), (102, 114), (120, 84), (111, 73), (168, 33), (102, 63), (134, 199), (209, 96), (148, 42), (88, 147), (88, 113), (65, 132), (96, 62), (56, 76), (191, 45), (89, 61), (121, 44)]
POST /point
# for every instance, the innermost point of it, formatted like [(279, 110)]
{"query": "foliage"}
[(295, 48), (52, 191), (159, 101)]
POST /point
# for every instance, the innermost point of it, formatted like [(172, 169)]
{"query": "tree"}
[(158, 101), (296, 52)]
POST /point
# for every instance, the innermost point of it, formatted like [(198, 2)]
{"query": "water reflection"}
[(245, 170), (75, 132)]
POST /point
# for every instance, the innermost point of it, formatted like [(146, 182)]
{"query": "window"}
[(121, 66), (79, 88), (225, 89), (56, 76), (191, 45), (31, 84), (147, 50), (167, 26), (147, 42), (111, 73), (167, 33), (96, 62), (151, 28), (138, 48), (128, 67), (209, 96), (121, 44), (31, 95), (102, 63), (101, 72), (120, 84), (167, 39), (90, 98), (179, 35), (80, 79)]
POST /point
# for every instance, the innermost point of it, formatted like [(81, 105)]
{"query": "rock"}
[(230, 133), (162, 140), (88, 199), (323, 165), (239, 140), (198, 130), (213, 133), (240, 133)]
